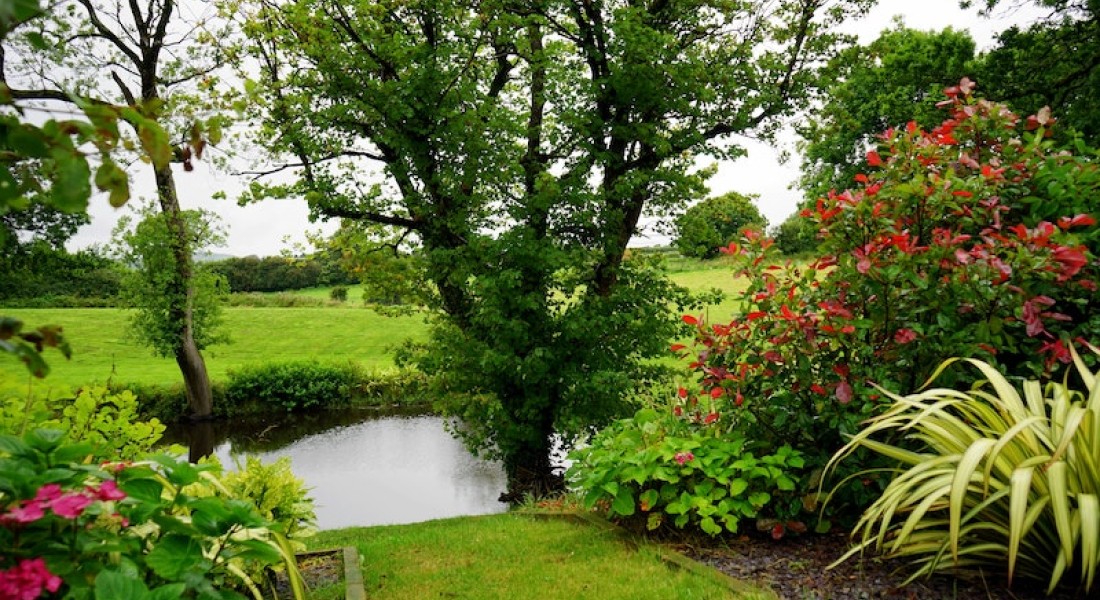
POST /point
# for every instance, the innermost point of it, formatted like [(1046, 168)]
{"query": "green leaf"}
[(172, 591), (175, 555), (623, 504), (111, 585), (70, 187)]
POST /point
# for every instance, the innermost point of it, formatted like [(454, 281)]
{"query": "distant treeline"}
[(40, 275)]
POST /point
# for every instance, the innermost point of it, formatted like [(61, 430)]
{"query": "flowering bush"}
[(682, 473), (124, 530), (972, 239)]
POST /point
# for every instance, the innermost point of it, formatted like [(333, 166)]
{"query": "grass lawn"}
[(517, 556), (102, 351)]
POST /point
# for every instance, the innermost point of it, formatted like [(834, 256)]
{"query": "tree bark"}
[(196, 380)]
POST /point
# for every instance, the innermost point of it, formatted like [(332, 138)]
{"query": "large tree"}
[(142, 56), (522, 141), (1052, 62)]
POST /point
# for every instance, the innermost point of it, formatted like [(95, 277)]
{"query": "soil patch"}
[(797, 568)]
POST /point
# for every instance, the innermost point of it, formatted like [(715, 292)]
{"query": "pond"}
[(364, 467)]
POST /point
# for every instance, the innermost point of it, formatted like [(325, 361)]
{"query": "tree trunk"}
[(529, 470), (196, 381)]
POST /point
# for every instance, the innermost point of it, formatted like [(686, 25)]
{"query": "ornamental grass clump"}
[(1005, 479)]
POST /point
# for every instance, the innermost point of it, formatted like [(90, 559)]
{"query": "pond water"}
[(364, 468)]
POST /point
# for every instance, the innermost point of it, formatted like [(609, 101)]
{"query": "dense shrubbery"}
[(973, 239), (37, 275), (968, 240), (278, 274), (675, 469), (86, 509), (280, 300), (311, 385)]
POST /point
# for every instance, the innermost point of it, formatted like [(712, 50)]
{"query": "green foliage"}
[(291, 386), (715, 222), (339, 293), (277, 273), (279, 495), (1054, 62), (154, 286), (38, 275), (127, 531), (954, 245), (1000, 479), (551, 130), (795, 236), (669, 469), (108, 421), (893, 80)]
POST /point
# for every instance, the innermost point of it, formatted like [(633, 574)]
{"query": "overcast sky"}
[(266, 229)]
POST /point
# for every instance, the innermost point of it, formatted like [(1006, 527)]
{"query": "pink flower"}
[(683, 457), (107, 491), (70, 506), (48, 493), (28, 513), (27, 580)]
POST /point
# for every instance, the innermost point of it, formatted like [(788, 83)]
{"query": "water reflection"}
[(382, 470)]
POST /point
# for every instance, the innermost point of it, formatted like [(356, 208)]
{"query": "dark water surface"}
[(364, 467)]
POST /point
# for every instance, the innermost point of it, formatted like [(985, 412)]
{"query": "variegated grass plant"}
[(1006, 480)]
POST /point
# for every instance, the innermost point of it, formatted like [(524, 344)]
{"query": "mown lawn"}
[(103, 351), (519, 556)]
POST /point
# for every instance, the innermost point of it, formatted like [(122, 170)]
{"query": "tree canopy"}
[(715, 222), (522, 142)]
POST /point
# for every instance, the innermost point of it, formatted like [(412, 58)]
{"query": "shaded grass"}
[(514, 555), (103, 351)]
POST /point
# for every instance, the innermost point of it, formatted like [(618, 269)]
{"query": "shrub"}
[(290, 386), (106, 420), (1001, 479), (124, 530), (279, 495), (958, 244), (683, 472), (339, 293)]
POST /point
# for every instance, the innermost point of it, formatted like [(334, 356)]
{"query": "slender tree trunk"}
[(196, 381)]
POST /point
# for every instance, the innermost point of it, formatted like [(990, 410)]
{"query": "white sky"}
[(265, 229)]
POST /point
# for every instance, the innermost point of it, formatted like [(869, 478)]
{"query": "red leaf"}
[(716, 393), (712, 417), (676, 347), (844, 392), (690, 320), (778, 531), (683, 393), (873, 159)]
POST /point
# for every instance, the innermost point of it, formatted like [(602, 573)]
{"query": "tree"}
[(521, 142), (1054, 62), (895, 79), (146, 247), (140, 57), (715, 222)]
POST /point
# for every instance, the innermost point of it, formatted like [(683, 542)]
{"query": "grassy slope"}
[(519, 556), (101, 350)]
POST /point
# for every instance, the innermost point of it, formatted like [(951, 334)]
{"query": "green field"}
[(103, 351)]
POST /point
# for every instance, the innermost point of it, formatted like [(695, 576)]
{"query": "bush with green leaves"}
[(1000, 478), (973, 239), (125, 531), (714, 223), (107, 420), (681, 471), (291, 386), (279, 495)]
